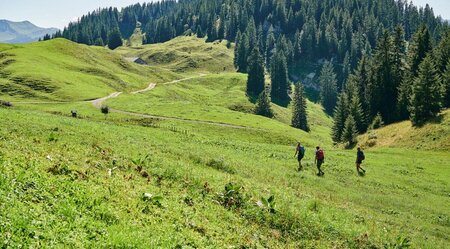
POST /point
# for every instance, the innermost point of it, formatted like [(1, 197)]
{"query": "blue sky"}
[(58, 13)]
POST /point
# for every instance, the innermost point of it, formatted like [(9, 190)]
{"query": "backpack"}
[(302, 151), (320, 155), (363, 157)]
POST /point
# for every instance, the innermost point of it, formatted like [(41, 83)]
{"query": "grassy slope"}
[(220, 98), (185, 54), (63, 70), (432, 136), (338, 210), (341, 210)]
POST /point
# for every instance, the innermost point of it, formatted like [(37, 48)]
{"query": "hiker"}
[(359, 159), (320, 158), (299, 153)]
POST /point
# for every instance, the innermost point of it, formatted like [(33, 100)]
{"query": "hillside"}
[(186, 164), (61, 70), (22, 32), (434, 135), (185, 54)]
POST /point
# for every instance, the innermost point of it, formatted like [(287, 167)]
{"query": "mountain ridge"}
[(22, 32)]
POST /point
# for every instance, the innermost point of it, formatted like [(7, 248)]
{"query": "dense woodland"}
[(384, 59)]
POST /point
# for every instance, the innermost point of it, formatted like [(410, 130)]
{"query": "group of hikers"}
[(320, 158)]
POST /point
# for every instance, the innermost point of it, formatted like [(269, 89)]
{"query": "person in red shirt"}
[(320, 158)]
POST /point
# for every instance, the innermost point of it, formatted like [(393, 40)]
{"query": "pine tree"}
[(426, 96), (446, 86), (279, 77), (418, 49), (241, 53), (383, 89), (340, 115), (349, 134), (361, 79), (328, 87), (114, 39), (255, 80), (263, 107), (299, 114), (99, 42)]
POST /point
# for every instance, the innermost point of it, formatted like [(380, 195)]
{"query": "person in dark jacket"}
[(359, 159), (299, 153)]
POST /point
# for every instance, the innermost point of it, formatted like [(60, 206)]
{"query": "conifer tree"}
[(263, 107), (255, 80), (349, 134), (418, 49), (114, 40), (328, 87), (279, 77), (361, 80), (241, 54), (299, 114), (355, 110), (426, 96), (383, 89), (340, 115), (446, 86)]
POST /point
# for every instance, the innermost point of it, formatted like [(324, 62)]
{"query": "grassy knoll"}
[(56, 190), (185, 54), (63, 70), (434, 135)]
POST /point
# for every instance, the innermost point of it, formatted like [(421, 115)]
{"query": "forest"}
[(384, 60)]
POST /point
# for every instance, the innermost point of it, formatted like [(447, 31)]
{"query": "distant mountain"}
[(22, 32)]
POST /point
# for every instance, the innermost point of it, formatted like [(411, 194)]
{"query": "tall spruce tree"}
[(279, 77), (241, 53), (340, 115), (418, 49), (383, 89), (349, 134), (426, 96), (328, 87), (255, 80), (263, 107), (299, 114), (446, 86)]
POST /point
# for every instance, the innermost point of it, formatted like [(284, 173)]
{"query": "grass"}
[(52, 203), (124, 181), (185, 54), (434, 135), (62, 70)]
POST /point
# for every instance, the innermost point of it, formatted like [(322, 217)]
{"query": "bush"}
[(377, 122), (5, 103), (104, 110), (232, 196)]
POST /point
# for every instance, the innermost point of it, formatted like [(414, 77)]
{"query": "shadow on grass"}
[(282, 103), (436, 120)]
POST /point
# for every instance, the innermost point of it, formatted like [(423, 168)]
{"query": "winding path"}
[(97, 103)]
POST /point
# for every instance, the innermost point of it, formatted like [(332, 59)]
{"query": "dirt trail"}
[(97, 103), (149, 88)]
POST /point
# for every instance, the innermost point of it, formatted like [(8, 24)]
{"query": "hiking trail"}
[(98, 103)]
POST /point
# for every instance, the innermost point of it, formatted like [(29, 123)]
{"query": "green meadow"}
[(201, 172)]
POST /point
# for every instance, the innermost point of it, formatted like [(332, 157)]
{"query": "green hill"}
[(185, 54), (63, 70), (434, 135), (187, 165)]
